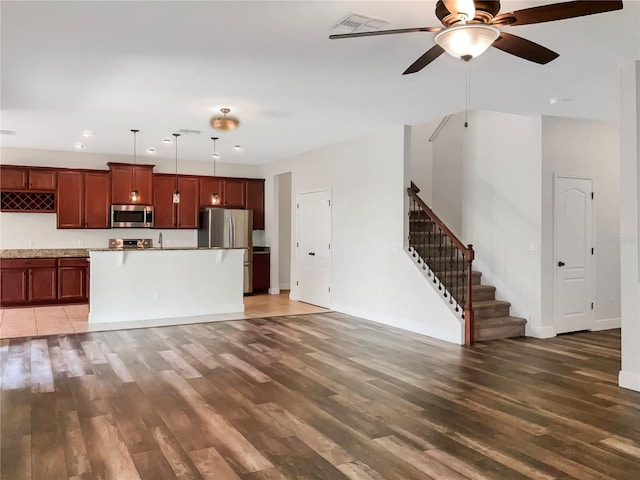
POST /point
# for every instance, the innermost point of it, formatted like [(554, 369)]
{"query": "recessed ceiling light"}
[(167, 140), (237, 147), (151, 150), (79, 146), (87, 134)]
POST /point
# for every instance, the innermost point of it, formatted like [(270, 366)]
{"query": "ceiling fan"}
[(471, 27)]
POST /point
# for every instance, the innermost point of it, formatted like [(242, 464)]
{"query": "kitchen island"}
[(164, 283)]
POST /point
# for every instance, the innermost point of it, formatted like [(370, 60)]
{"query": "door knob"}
[(561, 264)]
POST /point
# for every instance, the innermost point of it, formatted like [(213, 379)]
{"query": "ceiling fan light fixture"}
[(225, 123), (467, 41)]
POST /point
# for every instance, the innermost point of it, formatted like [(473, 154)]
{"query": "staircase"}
[(443, 261)]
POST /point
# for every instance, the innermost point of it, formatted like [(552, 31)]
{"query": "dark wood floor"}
[(322, 396)]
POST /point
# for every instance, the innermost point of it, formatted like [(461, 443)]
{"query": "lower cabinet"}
[(73, 274), (261, 272), (43, 281)]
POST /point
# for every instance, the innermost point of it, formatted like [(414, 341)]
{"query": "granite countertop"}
[(158, 248), (44, 253), (84, 252)]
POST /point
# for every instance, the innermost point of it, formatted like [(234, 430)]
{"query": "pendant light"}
[(134, 192), (215, 198), (176, 193)]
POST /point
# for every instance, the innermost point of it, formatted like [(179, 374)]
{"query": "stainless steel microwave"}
[(131, 216)]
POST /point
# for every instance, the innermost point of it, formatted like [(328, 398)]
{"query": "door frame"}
[(294, 245), (592, 282)]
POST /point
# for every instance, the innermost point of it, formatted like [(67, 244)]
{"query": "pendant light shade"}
[(467, 41), (223, 122), (134, 192), (215, 198), (176, 193)]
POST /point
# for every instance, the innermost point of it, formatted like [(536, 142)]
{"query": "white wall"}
[(372, 276), (422, 159), (38, 230), (284, 227), (630, 224), (501, 205), (579, 148), (448, 154)]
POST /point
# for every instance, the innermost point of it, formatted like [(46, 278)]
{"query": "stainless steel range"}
[(132, 243)]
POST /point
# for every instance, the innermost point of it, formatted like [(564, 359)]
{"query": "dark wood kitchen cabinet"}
[(234, 193), (25, 178), (180, 215), (261, 271), (126, 177), (28, 281), (73, 279), (83, 199), (70, 199), (209, 185), (255, 201)]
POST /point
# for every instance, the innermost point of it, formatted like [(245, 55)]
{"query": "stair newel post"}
[(468, 307)]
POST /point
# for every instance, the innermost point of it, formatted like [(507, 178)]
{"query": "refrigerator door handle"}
[(230, 232), (233, 230)]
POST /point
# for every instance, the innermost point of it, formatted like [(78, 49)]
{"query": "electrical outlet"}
[(533, 246), (32, 243), (81, 243), (155, 296)]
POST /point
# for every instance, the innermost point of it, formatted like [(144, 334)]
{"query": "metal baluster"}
[(463, 300), (452, 263), (440, 255), (427, 248), (457, 254)]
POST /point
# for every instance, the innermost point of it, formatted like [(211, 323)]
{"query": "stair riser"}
[(478, 295), (493, 333), (492, 312)]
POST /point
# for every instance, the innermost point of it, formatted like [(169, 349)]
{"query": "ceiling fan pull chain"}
[(467, 99)]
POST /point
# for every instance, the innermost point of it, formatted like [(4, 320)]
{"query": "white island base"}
[(133, 285)]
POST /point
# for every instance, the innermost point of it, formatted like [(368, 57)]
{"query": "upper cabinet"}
[(234, 194), (209, 186), (125, 178), (255, 201), (25, 178), (176, 215), (83, 199)]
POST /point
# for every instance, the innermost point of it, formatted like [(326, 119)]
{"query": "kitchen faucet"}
[(160, 239)]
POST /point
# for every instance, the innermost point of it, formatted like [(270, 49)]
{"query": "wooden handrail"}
[(468, 254), (458, 243)]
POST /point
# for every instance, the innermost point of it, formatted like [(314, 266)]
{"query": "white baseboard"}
[(629, 380), (285, 286), (451, 335), (539, 332), (606, 324), (274, 291)]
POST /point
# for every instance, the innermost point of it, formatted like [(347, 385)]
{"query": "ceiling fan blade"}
[(556, 11), (385, 32), (523, 48), (428, 57)]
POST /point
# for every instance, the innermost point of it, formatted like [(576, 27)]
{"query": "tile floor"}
[(53, 320)]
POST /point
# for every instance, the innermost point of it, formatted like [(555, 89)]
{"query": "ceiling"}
[(159, 67)]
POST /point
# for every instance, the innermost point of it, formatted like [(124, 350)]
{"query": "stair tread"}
[(498, 322), (490, 303)]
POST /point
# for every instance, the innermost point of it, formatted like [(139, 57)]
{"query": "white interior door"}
[(313, 248), (574, 254)]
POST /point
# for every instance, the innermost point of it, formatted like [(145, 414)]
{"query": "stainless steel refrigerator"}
[(229, 228)]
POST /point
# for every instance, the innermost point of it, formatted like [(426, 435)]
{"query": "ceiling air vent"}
[(356, 22), (186, 131), (7, 132)]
